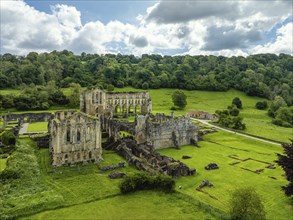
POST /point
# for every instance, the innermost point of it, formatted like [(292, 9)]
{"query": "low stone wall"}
[(145, 158), (42, 142)]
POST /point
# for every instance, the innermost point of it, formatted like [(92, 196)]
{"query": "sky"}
[(195, 27)]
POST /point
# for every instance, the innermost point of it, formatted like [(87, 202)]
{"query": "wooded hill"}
[(263, 75)]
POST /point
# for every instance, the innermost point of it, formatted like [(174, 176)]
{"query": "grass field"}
[(140, 205), (37, 126), (224, 149), (2, 164), (85, 192)]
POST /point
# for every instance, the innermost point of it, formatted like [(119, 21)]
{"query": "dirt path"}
[(235, 132), (23, 128)]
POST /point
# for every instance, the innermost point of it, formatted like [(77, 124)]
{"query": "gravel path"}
[(235, 132), (23, 128)]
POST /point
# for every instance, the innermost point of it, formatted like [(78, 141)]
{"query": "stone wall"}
[(31, 117), (98, 102), (145, 158), (163, 131), (74, 137)]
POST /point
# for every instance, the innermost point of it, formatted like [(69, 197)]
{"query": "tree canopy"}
[(263, 75), (179, 99), (286, 161)]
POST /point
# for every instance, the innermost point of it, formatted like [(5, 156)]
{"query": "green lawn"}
[(2, 164), (139, 205), (224, 148), (37, 126)]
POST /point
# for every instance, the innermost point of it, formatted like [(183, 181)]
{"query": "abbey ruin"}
[(76, 136)]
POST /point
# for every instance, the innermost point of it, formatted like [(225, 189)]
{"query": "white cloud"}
[(67, 15), (25, 29), (282, 44)]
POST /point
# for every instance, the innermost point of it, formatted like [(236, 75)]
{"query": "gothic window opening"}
[(68, 135), (90, 155), (78, 136)]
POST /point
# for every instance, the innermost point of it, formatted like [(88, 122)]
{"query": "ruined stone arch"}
[(118, 109), (131, 109), (137, 109)]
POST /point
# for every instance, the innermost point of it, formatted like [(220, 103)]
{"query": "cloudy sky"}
[(164, 27)]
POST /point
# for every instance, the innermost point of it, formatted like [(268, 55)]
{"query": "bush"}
[(144, 181), (8, 138), (145, 85), (245, 204), (261, 105), (9, 174), (110, 88), (236, 101)]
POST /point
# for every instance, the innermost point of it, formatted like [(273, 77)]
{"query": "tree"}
[(245, 204), (236, 101), (179, 99), (8, 138), (110, 88), (261, 105), (286, 162), (75, 95)]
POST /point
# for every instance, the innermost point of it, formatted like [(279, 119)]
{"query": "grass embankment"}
[(224, 149), (37, 127)]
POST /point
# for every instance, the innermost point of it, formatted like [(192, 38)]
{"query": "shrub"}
[(261, 105), (145, 85), (245, 204), (8, 138), (236, 101), (110, 88), (144, 181), (9, 174)]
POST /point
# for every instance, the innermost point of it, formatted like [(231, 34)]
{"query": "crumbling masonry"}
[(76, 137)]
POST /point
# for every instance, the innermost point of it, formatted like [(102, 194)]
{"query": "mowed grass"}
[(2, 164), (257, 121), (37, 126), (139, 205), (224, 149), (85, 192)]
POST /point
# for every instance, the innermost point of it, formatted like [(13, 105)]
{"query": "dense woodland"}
[(40, 76), (263, 75)]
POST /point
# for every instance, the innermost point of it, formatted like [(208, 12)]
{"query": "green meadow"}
[(37, 126), (225, 149)]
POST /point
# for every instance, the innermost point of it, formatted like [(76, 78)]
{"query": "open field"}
[(37, 126), (225, 149)]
